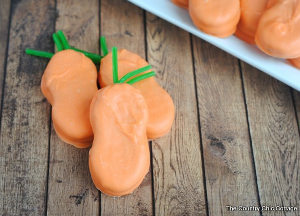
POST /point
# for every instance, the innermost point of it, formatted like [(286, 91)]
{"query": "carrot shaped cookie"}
[(278, 31), (251, 11), (159, 102), (215, 17), (119, 158), (69, 84)]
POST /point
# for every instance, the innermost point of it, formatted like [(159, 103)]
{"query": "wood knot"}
[(216, 146), (79, 197)]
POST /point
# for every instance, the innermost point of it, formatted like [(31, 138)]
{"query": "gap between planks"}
[(5, 11)]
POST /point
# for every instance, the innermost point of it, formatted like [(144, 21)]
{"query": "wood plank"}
[(4, 25), (230, 178), (25, 115), (71, 190), (122, 25), (275, 140), (177, 165)]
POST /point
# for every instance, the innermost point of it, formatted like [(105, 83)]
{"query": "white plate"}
[(276, 68)]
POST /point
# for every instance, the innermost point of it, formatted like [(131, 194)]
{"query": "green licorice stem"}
[(103, 46), (141, 77), (115, 64), (63, 39), (94, 57), (57, 42), (134, 73), (39, 53)]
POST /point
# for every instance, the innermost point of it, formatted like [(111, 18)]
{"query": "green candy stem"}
[(57, 42), (115, 64), (130, 74), (60, 37), (141, 77), (134, 73), (63, 39), (39, 53), (94, 57), (103, 46)]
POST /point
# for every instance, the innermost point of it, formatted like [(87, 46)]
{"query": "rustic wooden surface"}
[(235, 140), (177, 160), (25, 112), (275, 139), (225, 138)]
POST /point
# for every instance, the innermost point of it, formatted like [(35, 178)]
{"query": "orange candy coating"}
[(278, 31), (181, 3), (295, 62), (215, 17), (251, 11), (119, 158), (69, 84)]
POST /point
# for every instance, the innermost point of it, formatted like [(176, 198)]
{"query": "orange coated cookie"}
[(251, 11), (160, 104), (272, 3), (119, 158), (69, 84), (278, 32), (295, 62), (215, 17), (181, 3)]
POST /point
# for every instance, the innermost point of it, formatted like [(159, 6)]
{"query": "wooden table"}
[(235, 139)]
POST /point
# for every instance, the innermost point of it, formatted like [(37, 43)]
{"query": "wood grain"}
[(229, 171), (122, 25), (177, 166), (71, 190), (211, 121), (275, 140), (25, 114), (4, 27)]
